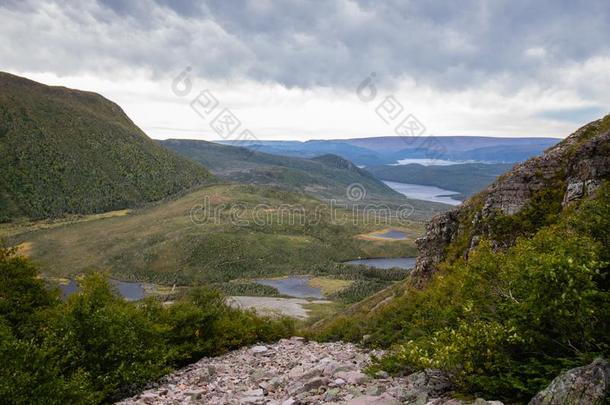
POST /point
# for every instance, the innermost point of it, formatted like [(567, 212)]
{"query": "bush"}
[(96, 347), (504, 322)]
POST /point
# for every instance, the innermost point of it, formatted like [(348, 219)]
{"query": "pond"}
[(391, 234), (425, 193), (127, 290), (386, 262), (297, 286)]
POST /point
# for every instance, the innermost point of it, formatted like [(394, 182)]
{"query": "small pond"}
[(297, 286), (392, 234), (127, 290)]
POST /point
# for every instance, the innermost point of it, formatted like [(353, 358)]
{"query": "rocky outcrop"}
[(578, 165), (588, 385), (584, 174), (293, 372), (439, 233)]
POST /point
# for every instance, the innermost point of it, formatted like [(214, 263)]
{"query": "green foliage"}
[(326, 176), (359, 290), (64, 152), (97, 347), (504, 323), (247, 289), (161, 244), (21, 292), (543, 209)]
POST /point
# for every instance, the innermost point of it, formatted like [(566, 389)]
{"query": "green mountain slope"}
[(66, 151), (214, 234), (510, 288), (326, 176)]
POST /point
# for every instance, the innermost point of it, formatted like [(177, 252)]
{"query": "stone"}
[(369, 400), (434, 382), (574, 191), (375, 390), (315, 383), (252, 400), (353, 377), (481, 401), (339, 382), (331, 367), (259, 349), (194, 393), (582, 385), (255, 393), (276, 382), (258, 374), (288, 372), (149, 398), (382, 374)]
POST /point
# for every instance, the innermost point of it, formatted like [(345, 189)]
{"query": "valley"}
[(227, 236), (124, 259)]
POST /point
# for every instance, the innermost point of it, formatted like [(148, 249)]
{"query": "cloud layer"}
[(511, 50)]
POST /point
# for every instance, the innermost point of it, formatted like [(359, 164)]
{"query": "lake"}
[(293, 286), (432, 162), (386, 262), (426, 193), (127, 290)]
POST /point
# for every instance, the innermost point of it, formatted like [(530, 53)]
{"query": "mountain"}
[(391, 149), (511, 288), (65, 151), (466, 178), (533, 190), (327, 176), (309, 149)]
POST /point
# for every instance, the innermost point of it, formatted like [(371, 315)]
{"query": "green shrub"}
[(504, 322), (96, 347)]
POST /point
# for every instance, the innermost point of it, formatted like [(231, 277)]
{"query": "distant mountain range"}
[(391, 149)]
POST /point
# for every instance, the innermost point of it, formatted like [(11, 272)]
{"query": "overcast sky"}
[(290, 69)]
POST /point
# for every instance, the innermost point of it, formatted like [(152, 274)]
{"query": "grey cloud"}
[(309, 43)]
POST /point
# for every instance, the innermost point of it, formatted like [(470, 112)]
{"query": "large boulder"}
[(588, 385)]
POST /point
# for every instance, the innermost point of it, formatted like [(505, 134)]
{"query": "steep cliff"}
[(521, 201)]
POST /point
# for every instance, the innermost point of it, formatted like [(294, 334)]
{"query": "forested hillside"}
[(510, 288), (326, 176), (66, 151)]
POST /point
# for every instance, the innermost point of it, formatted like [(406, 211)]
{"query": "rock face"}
[(439, 234), (578, 165), (588, 385), (293, 372)]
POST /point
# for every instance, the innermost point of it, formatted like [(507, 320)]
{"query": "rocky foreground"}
[(292, 372)]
